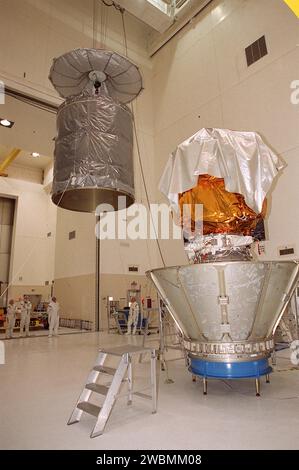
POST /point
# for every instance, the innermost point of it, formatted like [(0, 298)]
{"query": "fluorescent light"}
[(35, 154), (6, 122)]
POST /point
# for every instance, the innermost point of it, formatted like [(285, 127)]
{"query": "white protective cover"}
[(246, 163)]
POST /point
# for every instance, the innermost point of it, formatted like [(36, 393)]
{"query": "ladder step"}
[(97, 388), (105, 370), (89, 408), (142, 395)]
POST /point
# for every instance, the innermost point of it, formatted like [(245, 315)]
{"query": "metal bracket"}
[(223, 299)]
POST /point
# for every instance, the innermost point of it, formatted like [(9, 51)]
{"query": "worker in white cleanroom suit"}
[(26, 307), (10, 319), (133, 316), (53, 317)]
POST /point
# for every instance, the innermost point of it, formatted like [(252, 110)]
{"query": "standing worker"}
[(26, 307), (10, 319), (53, 317), (133, 316)]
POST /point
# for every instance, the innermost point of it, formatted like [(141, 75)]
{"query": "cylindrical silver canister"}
[(93, 154)]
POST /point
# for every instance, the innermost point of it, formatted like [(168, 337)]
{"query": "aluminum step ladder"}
[(122, 373)]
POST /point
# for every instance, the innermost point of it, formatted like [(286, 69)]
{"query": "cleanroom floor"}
[(41, 332), (42, 378)]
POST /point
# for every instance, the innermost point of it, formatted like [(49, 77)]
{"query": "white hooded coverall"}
[(11, 320), (26, 307), (53, 317), (133, 317)]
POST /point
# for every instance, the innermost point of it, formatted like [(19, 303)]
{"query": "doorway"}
[(7, 210)]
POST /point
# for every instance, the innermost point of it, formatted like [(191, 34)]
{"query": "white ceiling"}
[(152, 12), (33, 131)]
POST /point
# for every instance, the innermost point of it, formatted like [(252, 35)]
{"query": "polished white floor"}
[(42, 378), (41, 332)]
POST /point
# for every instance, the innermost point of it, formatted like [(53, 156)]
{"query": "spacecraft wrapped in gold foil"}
[(228, 173)]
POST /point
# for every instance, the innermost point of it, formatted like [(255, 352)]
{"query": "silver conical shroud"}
[(227, 311)]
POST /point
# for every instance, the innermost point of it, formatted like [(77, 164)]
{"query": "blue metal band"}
[(232, 370)]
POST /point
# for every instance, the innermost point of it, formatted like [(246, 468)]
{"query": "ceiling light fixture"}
[(6, 122), (35, 154)]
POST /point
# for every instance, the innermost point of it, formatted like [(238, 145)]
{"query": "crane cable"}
[(122, 12)]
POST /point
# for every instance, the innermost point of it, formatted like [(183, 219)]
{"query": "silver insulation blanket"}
[(94, 152), (246, 163)]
